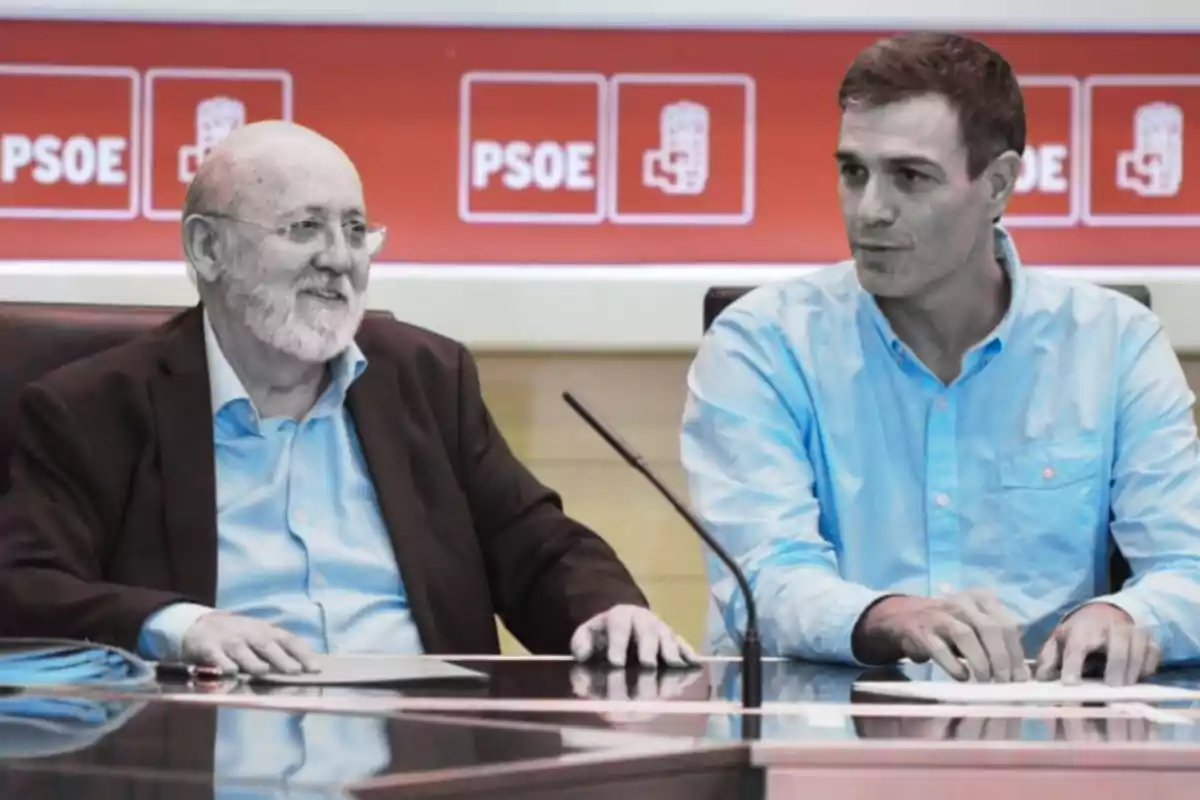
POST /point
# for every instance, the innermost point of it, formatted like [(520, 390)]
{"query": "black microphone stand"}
[(751, 645)]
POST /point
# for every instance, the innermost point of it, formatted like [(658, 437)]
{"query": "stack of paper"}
[(1040, 692), (373, 669)]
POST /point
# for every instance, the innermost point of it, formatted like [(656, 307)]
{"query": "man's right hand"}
[(234, 643), (973, 624)]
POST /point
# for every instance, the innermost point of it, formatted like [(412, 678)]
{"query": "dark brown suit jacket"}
[(112, 512)]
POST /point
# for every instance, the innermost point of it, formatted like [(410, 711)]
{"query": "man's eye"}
[(910, 176), (853, 172), (305, 228), (355, 233)]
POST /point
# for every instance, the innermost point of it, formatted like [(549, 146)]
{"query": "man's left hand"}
[(1130, 651), (610, 633)]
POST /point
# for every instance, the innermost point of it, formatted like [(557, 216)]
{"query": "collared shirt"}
[(836, 468), (301, 540)]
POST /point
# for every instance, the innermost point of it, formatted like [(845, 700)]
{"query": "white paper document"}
[(373, 669), (1042, 692)]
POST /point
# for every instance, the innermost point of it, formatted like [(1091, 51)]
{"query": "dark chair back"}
[(37, 338), (718, 298)]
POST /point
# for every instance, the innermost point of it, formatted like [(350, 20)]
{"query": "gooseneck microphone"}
[(751, 646)]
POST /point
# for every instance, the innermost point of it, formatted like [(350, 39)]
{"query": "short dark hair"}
[(972, 77)]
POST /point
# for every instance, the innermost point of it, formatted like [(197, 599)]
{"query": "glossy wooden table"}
[(551, 728)]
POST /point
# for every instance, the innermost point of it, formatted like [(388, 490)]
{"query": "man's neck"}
[(279, 385), (941, 325)]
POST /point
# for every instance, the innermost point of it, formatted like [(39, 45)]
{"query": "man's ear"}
[(1000, 180), (203, 246), (375, 241)]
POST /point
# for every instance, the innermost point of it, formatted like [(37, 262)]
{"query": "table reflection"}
[(293, 753), (795, 682), (828, 709), (66, 746)]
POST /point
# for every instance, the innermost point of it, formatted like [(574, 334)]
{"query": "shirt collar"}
[(225, 387), (1010, 260)]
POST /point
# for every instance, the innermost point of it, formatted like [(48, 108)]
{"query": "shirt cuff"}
[(162, 634), (1139, 611), (852, 601), (815, 624)]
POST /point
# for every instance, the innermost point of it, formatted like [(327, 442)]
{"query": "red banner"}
[(568, 147)]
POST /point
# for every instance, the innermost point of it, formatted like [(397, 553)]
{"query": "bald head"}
[(275, 234), (261, 166)]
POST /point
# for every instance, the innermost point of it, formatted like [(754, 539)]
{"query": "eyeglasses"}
[(307, 231)]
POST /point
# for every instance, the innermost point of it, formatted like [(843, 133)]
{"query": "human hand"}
[(1131, 651), (610, 633), (973, 624), (235, 643)]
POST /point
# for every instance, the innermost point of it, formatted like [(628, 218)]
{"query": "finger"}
[(1120, 639), (587, 638), (246, 660), (216, 658), (670, 650), (988, 629), (619, 627), (280, 660), (1139, 650), (1081, 642), (687, 651), (1153, 658), (964, 637), (1010, 632), (300, 650), (647, 638), (937, 649), (1049, 659)]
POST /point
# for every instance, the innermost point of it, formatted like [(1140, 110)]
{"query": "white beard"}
[(314, 335)]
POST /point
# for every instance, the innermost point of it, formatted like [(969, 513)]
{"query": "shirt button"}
[(940, 404), (942, 500), (1048, 473), (946, 588)]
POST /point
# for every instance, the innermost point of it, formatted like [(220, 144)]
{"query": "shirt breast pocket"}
[(1048, 496)]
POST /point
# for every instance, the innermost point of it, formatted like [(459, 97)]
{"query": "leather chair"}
[(718, 298), (36, 338)]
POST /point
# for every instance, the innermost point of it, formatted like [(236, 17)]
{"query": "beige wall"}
[(643, 396)]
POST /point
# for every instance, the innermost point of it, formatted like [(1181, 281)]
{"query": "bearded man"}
[(274, 474)]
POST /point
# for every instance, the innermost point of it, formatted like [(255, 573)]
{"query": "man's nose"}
[(876, 206), (338, 255)]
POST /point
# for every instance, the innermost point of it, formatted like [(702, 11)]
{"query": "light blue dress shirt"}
[(301, 540), (836, 468)]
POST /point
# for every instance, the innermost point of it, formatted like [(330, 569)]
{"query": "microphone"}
[(751, 645)]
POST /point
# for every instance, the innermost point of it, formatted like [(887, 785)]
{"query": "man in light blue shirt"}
[(924, 451)]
